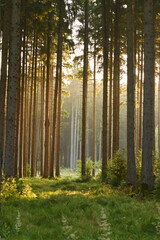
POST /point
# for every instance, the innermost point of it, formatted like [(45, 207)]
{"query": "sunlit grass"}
[(81, 205)]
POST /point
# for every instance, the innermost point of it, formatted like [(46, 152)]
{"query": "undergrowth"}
[(67, 208)]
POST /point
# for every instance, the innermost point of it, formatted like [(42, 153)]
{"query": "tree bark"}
[(105, 9), (131, 166), (94, 113), (12, 90), (116, 79), (147, 172), (3, 82), (85, 89), (46, 161), (33, 160)]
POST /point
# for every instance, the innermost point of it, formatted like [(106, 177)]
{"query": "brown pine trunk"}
[(52, 160), (3, 82), (59, 120), (105, 9), (94, 113), (25, 153), (33, 160), (159, 113), (22, 107), (31, 103), (116, 79), (141, 99), (42, 117), (12, 91), (131, 166), (46, 160), (110, 93), (138, 96), (85, 87), (147, 170)]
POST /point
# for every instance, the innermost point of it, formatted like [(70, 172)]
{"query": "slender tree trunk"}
[(116, 78), (42, 117), (147, 172), (12, 90), (85, 87), (159, 113), (22, 112), (71, 148), (141, 97), (46, 161), (59, 120), (94, 113), (58, 76), (31, 103), (3, 82), (33, 160), (105, 9), (131, 166), (110, 93), (26, 117), (138, 96)]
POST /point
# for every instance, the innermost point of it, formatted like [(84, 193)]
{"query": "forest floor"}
[(67, 208)]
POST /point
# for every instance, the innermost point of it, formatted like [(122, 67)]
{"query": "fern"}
[(18, 223), (105, 227), (67, 230), (157, 223)]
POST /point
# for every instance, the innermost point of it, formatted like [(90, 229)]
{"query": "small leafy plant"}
[(105, 227)]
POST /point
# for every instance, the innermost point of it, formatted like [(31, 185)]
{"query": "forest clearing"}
[(68, 208)]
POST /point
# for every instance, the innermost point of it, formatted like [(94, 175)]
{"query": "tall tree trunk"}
[(94, 113), (59, 119), (159, 113), (42, 117), (33, 160), (31, 103), (147, 172), (12, 90), (116, 78), (85, 87), (131, 166), (110, 91), (105, 9), (71, 148), (58, 76), (46, 161), (22, 107), (141, 97), (25, 155), (138, 96), (3, 82)]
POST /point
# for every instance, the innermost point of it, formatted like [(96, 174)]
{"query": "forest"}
[(79, 119)]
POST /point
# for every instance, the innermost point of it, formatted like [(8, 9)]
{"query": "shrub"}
[(89, 168), (14, 187), (117, 169)]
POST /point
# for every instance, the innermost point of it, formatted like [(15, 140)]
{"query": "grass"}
[(67, 208)]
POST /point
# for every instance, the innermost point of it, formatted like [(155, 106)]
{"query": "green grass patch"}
[(66, 208)]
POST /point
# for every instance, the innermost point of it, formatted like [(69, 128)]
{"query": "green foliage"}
[(18, 222), (89, 168), (87, 207), (4, 230), (14, 187), (156, 223), (105, 226), (117, 169), (67, 230), (28, 171), (138, 165)]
